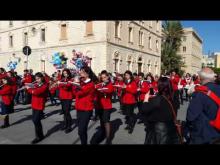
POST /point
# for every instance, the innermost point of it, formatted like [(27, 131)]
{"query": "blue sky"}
[(209, 31)]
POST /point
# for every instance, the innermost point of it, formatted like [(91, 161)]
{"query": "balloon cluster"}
[(79, 60), (13, 62), (59, 60), (12, 65)]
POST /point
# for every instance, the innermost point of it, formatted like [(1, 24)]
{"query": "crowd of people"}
[(157, 98)]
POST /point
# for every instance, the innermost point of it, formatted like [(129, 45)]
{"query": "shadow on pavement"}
[(99, 135), (22, 109), (28, 117), (58, 126)]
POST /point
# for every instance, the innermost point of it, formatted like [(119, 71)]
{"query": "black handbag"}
[(177, 123)]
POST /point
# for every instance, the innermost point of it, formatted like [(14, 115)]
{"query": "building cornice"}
[(133, 49), (147, 29), (22, 27)]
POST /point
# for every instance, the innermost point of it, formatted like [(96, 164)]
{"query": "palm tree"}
[(172, 38)]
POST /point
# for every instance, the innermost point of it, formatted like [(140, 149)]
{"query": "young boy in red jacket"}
[(39, 96)]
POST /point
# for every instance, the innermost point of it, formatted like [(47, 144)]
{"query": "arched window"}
[(140, 64), (116, 60), (129, 63)]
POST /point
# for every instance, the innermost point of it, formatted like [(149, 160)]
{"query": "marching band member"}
[(119, 82), (2, 74), (39, 96), (66, 96), (52, 89), (129, 91), (84, 101), (136, 79), (26, 79), (187, 82), (175, 80), (181, 86), (6, 94), (104, 92), (143, 88), (13, 84), (155, 84)]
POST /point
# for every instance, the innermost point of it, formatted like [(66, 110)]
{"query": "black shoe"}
[(4, 126), (130, 130), (140, 122), (94, 118), (64, 127), (108, 142), (61, 113), (127, 127), (36, 140), (68, 130)]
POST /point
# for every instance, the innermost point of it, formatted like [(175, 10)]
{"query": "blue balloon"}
[(12, 65)]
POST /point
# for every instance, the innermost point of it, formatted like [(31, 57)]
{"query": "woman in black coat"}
[(160, 127)]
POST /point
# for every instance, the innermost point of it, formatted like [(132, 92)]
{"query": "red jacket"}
[(119, 90), (65, 90), (6, 94), (175, 82), (155, 86), (39, 96), (27, 78), (85, 97), (129, 93), (47, 79), (144, 88), (137, 80), (104, 99), (53, 89), (183, 82), (14, 85), (59, 77), (196, 81), (3, 75)]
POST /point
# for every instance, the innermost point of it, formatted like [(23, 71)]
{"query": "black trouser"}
[(139, 105), (129, 114), (36, 118), (181, 95), (52, 98), (83, 118), (114, 95), (17, 96), (176, 100), (66, 107), (187, 96), (27, 97)]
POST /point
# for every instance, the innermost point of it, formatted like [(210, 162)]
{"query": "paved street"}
[(21, 130)]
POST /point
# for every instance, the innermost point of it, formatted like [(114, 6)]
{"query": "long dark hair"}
[(68, 73), (106, 73), (2, 69), (165, 88), (12, 73), (150, 75), (91, 74), (40, 75), (130, 73)]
